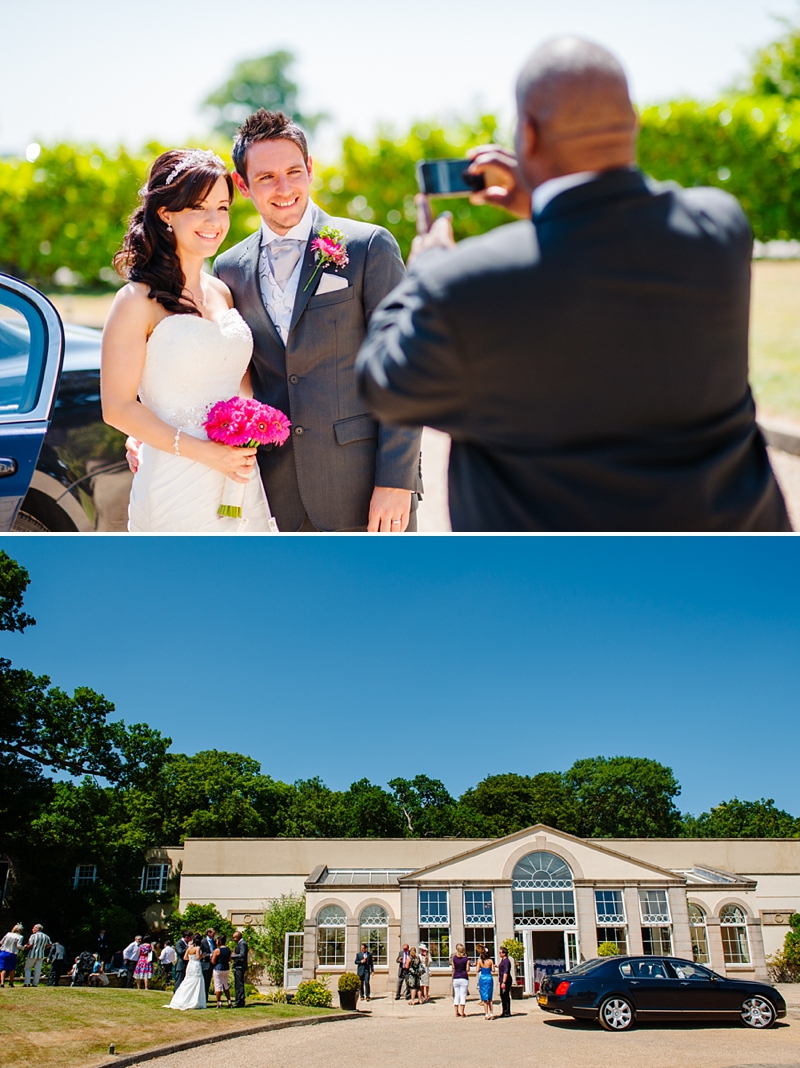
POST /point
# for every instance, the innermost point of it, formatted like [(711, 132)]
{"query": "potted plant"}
[(516, 951), (349, 987)]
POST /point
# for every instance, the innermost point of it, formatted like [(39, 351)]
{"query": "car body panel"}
[(657, 988)]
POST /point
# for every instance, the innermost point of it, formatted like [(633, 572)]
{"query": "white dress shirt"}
[(280, 302), (549, 190)]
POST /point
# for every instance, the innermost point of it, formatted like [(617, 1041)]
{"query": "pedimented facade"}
[(722, 902)]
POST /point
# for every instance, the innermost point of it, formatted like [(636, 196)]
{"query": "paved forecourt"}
[(394, 1034)]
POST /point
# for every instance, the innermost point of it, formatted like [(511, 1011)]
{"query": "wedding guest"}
[(9, 954), (98, 975), (460, 965), (36, 949), (130, 957), (485, 967), (425, 971), (239, 968), (57, 957), (207, 946), (102, 944), (167, 959), (403, 957), (365, 966), (504, 981), (220, 964), (143, 972), (589, 364), (181, 946), (413, 976)]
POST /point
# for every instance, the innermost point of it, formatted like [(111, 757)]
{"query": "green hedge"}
[(751, 147), (69, 207)]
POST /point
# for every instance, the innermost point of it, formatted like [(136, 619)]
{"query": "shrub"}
[(275, 997), (514, 948), (349, 981), (781, 968), (608, 949), (313, 993), (198, 918), (286, 913)]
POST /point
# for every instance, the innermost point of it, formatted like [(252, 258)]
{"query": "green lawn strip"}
[(69, 1027)]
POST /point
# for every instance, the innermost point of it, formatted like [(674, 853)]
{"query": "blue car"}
[(61, 468)]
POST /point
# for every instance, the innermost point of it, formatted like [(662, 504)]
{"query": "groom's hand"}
[(389, 510)]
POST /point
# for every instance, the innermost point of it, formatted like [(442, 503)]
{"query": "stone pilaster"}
[(503, 914), (681, 934), (631, 895), (456, 905), (587, 922), (757, 955)]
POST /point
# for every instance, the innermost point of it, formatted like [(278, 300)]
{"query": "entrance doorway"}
[(548, 950)]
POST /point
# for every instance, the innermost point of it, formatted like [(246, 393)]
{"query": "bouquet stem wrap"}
[(232, 499)]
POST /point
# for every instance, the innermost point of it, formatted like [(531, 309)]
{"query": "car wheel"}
[(616, 1014), (758, 1012), (29, 524)]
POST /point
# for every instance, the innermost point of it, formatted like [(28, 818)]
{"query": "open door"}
[(31, 354)]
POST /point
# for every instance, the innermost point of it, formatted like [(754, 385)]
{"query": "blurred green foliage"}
[(750, 147), (776, 68), (69, 208)]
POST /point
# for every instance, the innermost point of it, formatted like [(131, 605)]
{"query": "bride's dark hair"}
[(181, 178)]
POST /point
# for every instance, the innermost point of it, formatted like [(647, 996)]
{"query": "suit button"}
[(294, 379), (298, 430)]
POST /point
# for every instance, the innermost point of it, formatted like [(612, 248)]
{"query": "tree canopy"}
[(776, 68), (263, 82)]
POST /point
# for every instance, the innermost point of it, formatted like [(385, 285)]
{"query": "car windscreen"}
[(587, 966)]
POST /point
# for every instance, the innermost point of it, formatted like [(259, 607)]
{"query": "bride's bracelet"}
[(176, 447)]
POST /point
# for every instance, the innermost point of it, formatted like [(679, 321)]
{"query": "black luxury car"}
[(620, 991)]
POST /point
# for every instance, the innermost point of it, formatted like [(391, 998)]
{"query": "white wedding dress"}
[(191, 994), (190, 364)]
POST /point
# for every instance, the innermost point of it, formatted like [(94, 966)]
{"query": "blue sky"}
[(109, 72), (456, 657)]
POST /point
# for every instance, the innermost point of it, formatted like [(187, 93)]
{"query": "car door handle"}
[(634, 982), (685, 984), (7, 466)]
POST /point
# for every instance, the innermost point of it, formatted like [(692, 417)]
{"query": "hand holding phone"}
[(430, 234)]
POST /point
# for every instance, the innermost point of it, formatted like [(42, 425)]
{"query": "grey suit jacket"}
[(337, 452), (591, 368)]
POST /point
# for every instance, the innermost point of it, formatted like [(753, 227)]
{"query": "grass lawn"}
[(775, 334), (66, 1027)]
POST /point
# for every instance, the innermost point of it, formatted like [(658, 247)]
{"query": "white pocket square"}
[(329, 283)]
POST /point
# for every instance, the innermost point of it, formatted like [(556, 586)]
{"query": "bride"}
[(174, 345), (191, 994)]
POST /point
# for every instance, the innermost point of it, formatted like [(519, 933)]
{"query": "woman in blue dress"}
[(486, 983)]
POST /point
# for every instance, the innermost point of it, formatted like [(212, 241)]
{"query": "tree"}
[(743, 819), (368, 811), (286, 913), (263, 82), (427, 808), (503, 804), (198, 919), (14, 581), (624, 797), (776, 68)]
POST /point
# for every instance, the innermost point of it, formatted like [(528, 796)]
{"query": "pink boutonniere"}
[(329, 248)]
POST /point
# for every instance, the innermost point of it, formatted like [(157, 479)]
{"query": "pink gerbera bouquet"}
[(244, 423)]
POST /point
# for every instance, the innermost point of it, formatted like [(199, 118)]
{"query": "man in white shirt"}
[(130, 955)]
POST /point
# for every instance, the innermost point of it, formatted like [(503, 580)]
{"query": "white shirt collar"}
[(300, 232), (550, 189)]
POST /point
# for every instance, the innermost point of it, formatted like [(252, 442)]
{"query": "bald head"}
[(574, 96)]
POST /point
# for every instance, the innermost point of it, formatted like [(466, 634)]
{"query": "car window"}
[(588, 966), (643, 969), (683, 969), (22, 353)]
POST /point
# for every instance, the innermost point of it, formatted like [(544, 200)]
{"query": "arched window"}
[(697, 926), (733, 925), (374, 925), (543, 895), (331, 928)]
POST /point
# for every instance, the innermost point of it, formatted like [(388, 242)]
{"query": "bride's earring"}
[(169, 229)]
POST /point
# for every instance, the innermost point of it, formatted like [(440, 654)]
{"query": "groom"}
[(341, 469)]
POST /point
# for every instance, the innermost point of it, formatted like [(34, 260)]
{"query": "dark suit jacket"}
[(337, 452), (180, 948), (401, 971), (364, 963), (591, 369), (239, 958), (206, 949)]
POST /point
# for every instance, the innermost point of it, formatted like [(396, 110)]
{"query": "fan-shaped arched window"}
[(374, 925), (543, 895), (733, 927), (697, 926), (331, 932)]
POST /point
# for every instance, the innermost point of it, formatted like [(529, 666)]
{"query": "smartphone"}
[(447, 178)]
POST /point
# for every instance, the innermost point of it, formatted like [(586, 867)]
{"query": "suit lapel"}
[(320, 220), (250, 267)]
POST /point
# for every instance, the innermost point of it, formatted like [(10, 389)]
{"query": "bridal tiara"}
[(194, 157)]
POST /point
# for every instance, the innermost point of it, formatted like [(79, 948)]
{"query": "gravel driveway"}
[(394, 1035)]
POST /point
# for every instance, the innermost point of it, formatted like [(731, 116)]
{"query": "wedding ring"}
[(395, 522)]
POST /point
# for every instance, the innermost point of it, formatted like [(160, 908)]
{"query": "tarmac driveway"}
[(394, 1035)]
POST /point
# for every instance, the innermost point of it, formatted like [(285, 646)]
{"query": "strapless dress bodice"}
[(191, 363)]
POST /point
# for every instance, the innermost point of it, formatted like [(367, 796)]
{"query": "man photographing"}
[(590, 367)]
